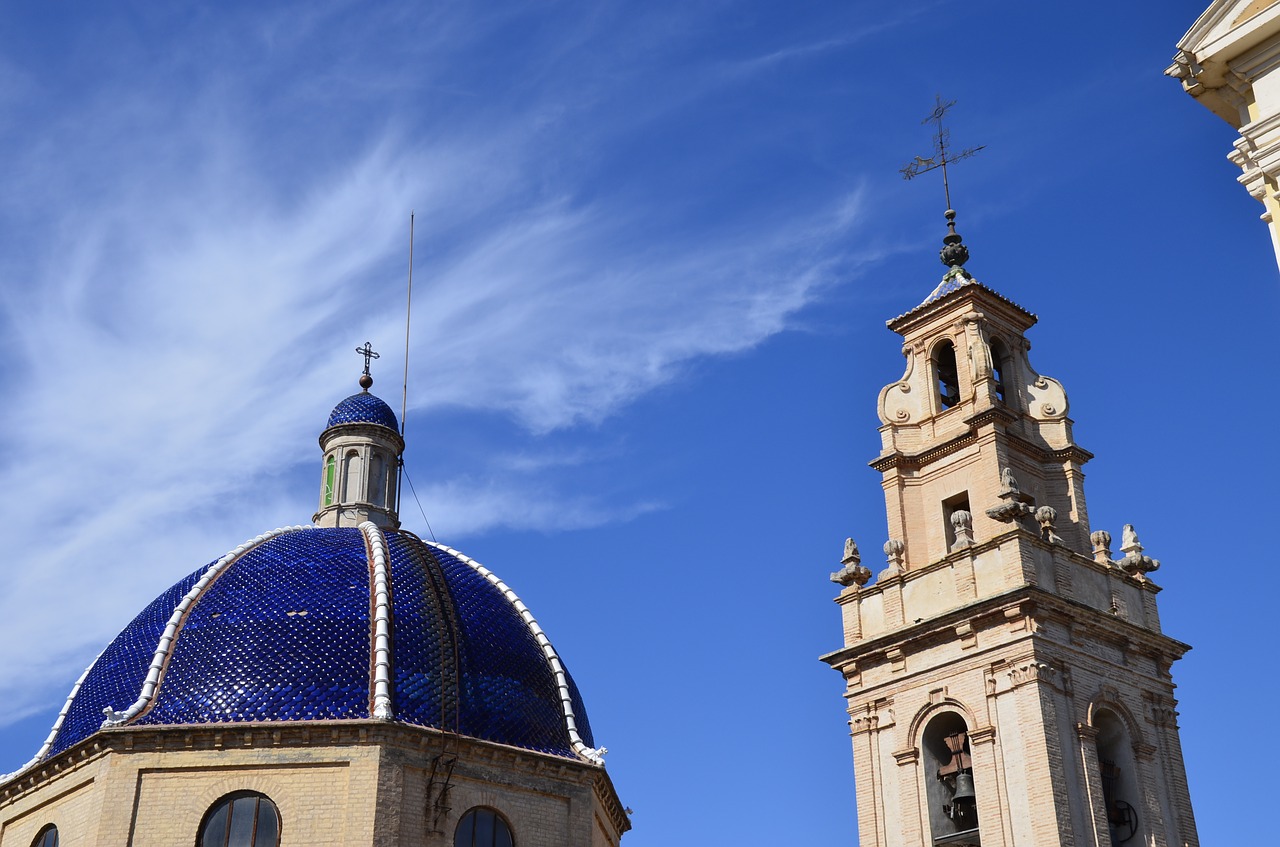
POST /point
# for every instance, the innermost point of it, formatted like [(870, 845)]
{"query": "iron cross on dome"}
[(367, 352), (366, 379)]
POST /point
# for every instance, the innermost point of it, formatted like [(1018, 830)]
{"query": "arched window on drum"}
[(242, 819), (483, 827)]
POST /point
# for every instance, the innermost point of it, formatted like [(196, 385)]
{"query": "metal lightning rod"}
[(404, 393)]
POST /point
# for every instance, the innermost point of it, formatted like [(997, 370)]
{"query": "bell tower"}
[(1006, 676)]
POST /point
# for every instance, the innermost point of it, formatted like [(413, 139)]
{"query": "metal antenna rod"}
[(404, 392), (408, 309)]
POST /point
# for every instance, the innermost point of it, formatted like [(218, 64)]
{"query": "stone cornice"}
[(914, 461), (303, 735), (972, 290), (361, 430), (1239, 38), (1027, 600), (1070, 453), (992, 414), (607, 795)]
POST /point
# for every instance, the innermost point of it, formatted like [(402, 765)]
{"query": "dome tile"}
[(363, 408), (283, 633)]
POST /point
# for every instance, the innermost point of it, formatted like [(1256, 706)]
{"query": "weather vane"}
[(366, 379), (953, 253)]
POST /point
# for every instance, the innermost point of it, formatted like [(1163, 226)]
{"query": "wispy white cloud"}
[(186, 317)]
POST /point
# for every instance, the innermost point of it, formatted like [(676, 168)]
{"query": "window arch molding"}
[(483, 826), (46, 837), (915, 731), (223, 823), (1108, 700), (351, 476)]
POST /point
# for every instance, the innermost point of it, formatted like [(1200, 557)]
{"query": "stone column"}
[(914, 828), (1092, 781), (988, 780)]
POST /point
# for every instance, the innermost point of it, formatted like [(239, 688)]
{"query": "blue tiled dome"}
[(363, 408), (282, 631)]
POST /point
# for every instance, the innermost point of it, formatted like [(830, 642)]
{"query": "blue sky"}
[(656, 246)]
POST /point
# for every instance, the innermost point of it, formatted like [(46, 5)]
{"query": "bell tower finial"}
[(953, 254)]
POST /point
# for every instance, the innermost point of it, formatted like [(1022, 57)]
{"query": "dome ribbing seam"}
[(595, 755), (170, 635)]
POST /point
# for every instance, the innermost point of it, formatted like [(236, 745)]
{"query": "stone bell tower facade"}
[(1006, 676)]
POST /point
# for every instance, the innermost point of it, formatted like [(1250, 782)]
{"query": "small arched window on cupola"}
[(1000, 369), (1120, 789), (946, 375), (948, 774), (330, 479), (48, 837), (378, 480), (350, 477)]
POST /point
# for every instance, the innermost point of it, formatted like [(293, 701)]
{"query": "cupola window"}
[(350, 477), (378, 480), (48, 837), (243, 819), (481, 827), (330, 477), (946, 374)]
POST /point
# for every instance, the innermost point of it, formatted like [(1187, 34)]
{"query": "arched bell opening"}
[(1000, 370), (948, 768), (1119, 774), (946, 375)]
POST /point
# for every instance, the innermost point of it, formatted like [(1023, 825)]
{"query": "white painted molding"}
[(381, 676), (170, 635), (595, 755)]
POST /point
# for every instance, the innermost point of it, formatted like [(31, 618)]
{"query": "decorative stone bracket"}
[(1017, 504), (1134, 563), (853, 572)]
